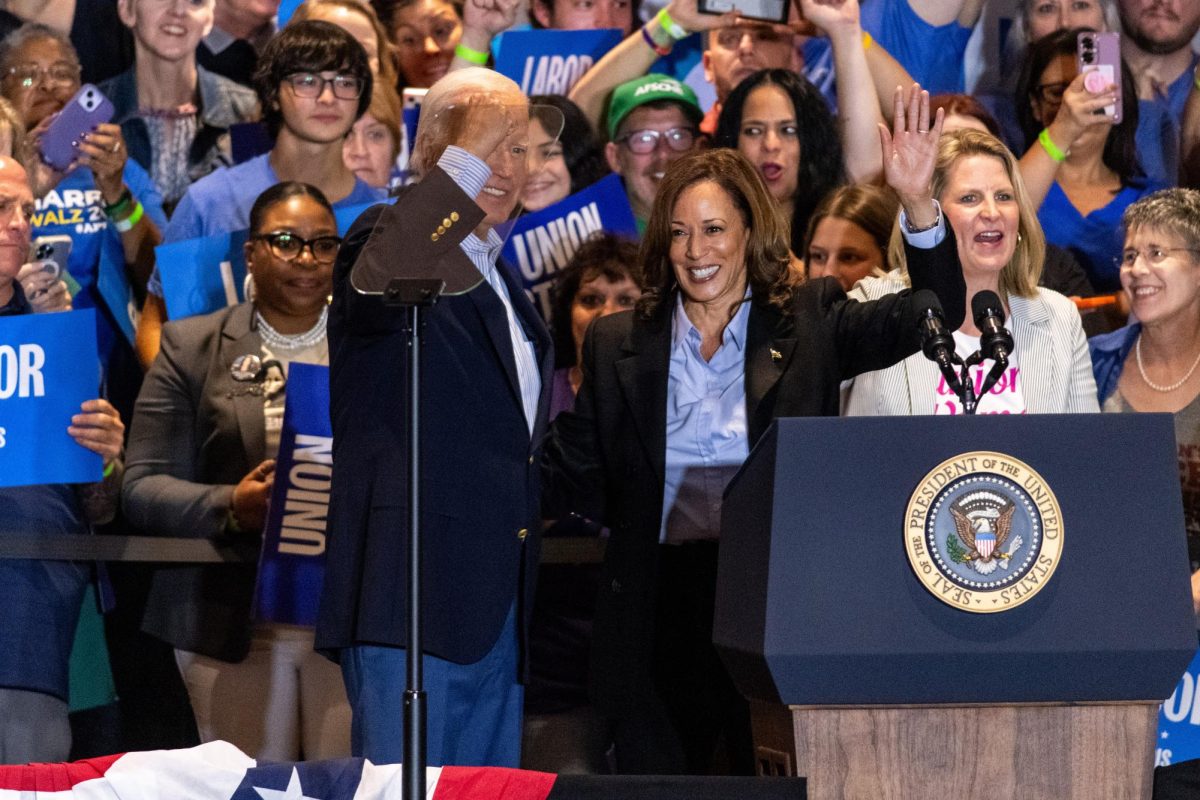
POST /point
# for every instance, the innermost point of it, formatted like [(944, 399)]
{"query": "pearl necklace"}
[(1138, 350), (292, 341)]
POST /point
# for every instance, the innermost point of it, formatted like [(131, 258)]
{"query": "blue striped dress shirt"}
[(471, 174), (707, 435)]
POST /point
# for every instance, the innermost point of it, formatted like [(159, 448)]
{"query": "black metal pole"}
[(414, 694)]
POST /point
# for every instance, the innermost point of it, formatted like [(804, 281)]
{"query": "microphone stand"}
[(413, 294)]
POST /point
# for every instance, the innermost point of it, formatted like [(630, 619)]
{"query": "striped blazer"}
[(1049, 341)]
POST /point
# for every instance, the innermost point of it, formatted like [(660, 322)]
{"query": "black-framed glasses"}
[(1153, 255), (288, 246), (642, 142), (310, 84), (61, 75), (1051, 92)]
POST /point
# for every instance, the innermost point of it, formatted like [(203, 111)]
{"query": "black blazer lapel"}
[(643, 374), (238, 338), (769, 347)]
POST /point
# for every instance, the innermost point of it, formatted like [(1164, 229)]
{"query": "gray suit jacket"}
[(196, 432), (1050, 344)]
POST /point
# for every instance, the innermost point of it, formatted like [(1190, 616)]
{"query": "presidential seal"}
[(983, 532)]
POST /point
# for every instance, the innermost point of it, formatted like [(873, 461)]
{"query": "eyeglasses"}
[(61, 75), (289, 246), (1051, 92), (642, 142), (1154, 255), (309, 84), (731, 38)]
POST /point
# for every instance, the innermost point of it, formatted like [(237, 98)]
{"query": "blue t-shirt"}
[(1158, 130), (933, 55), (74, 208), (1096, 239), (221, 201)]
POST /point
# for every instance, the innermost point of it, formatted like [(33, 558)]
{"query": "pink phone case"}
[(1099, 57), (87, 109)]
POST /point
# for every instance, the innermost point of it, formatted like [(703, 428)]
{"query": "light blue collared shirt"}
[(470, 173), (707, 436)]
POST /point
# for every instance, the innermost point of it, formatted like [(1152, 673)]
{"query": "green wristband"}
[(469, 54), (108, 470), (676, 31), (126, 225), (1051, 148)]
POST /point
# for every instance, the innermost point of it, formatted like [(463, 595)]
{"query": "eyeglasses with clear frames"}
[(288, 246), (61, 75), (310, 84), (642, 142), (1153, 255)]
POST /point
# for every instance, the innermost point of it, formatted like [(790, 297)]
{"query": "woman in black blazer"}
[(674, 394)]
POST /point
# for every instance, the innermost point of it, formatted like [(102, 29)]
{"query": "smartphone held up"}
[(1099, 56)]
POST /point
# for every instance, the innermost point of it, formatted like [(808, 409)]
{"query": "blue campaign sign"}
[(114, 288), (202, 275), (540, 244), (292, 566), (1179, 720), (205, 274), (551, 61), (48, 368)]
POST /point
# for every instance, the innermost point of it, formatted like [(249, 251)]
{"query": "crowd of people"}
[(790, 192)]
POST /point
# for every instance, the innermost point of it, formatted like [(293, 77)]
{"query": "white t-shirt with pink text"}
[(1007, 396)]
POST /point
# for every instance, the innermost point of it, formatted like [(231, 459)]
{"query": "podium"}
[(875, 683)]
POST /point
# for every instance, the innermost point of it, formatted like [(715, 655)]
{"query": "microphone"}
[(936, 342), (995, 342)]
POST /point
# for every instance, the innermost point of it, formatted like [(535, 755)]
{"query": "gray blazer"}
[(1049, 341), (196, 432)]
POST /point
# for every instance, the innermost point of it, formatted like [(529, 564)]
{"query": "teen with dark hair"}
[(313, 82)]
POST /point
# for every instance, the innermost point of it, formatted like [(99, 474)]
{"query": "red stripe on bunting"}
[(492, 783), (54, 777)]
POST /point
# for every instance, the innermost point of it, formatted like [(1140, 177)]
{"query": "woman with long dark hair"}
[(780, 122)]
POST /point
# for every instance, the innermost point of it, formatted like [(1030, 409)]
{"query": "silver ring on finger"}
[(117, 147)]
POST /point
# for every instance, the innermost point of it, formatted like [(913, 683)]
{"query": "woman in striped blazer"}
[(976, 212)]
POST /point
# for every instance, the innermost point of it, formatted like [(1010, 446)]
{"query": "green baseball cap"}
[(648, 89)]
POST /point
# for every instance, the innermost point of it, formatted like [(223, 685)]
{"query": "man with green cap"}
[(652, 121)]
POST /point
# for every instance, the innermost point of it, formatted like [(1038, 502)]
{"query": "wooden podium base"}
[(1082, 752)]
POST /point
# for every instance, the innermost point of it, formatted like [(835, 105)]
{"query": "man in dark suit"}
[(484, 399)]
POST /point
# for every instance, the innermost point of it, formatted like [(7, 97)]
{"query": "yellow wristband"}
[(673, 28), (1050, 147), (469, 54), (867, 41)]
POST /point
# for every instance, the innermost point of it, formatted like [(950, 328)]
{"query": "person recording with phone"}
[(103, 201), (1098, 173), (975, 216)]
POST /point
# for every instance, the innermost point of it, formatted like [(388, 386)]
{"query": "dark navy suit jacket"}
[(480, 483)]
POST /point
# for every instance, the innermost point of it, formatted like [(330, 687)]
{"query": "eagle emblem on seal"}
[(983, 524)]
